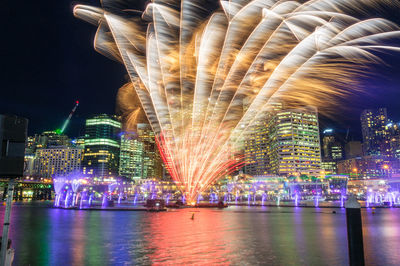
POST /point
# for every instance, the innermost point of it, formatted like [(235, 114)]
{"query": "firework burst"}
[(205, 72)]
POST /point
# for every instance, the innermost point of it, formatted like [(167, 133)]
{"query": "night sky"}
[(48, 62)]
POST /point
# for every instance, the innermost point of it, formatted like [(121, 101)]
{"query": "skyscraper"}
[(151, 164), (286, 143), (375, 135), (259, 143), (297, 146), (331, 146), (394, 139), (131, 156), (102, 143)]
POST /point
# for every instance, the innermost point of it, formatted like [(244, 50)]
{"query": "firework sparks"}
[(204, 73)]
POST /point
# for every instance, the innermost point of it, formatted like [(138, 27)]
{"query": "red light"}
[(77, 102)]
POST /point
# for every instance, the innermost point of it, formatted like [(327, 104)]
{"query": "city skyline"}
[(47, 95)]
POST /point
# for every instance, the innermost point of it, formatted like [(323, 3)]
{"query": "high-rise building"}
[(13, 131), (297, 142), (51, 139), (259, 143), (131, 157), (374, 132), (102, 143), (286, 144), (394, 139), (57, 161), (151, 162), (257, 146), (353, 149), (331, 147)]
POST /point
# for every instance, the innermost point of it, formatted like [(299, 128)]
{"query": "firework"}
[(205, 72)]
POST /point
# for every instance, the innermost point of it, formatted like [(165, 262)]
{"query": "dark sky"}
[(48, 62)]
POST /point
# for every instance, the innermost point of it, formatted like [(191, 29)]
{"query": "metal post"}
[(6, 224), (354, 232)]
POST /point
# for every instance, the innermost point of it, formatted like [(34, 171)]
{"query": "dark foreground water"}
[(236, 235)]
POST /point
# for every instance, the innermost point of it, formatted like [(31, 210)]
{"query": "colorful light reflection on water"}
[(275, 236)]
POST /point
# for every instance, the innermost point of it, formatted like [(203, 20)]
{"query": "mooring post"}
[(354, 232), (6, 224)]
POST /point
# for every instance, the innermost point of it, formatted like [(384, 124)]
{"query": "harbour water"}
[(235, 235)]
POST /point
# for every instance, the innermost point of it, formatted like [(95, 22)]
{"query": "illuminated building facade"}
[(259, 144), (57, 161), (287, 143), (331, 147), (373, 166), (151, 162), (297, 145), (394, 139), (102, 146), (131, 158), (49, 139), (329, 167), (374, 132)]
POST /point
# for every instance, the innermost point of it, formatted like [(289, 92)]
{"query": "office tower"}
[(259, 143), (287, 143), (331, 147), (394, 139), (57, 161), (297, 145), (13, 131), (375, 135), (151, 161), (49, 139), (353, 149), (131, 156), (102, 142)]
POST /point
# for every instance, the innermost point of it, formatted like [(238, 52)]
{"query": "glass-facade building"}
[(287, 143), (152, 164), (102, 147), (374, 132), (297, 146), (131, 156)]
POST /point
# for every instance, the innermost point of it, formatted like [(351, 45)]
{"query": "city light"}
[(205, 78)]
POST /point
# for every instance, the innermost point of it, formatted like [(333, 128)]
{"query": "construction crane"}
[(60, 131)]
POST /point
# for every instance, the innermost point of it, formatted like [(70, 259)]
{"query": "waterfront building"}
[(374, 132), (13, 131), (56, 161), (259, 145), (151, 160), (372, 166), (102, 143), (297, 147), (29, 165), (286, 143), (131, 158), (257, 150), (329, 167)]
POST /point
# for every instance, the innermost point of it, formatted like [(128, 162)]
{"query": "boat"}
[(155, 205)]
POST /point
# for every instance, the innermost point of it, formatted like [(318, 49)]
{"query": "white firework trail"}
[(205, 72)]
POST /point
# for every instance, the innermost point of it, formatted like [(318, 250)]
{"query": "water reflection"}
[(237, 235)]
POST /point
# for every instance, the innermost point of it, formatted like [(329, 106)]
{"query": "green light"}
[(58, 131)]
